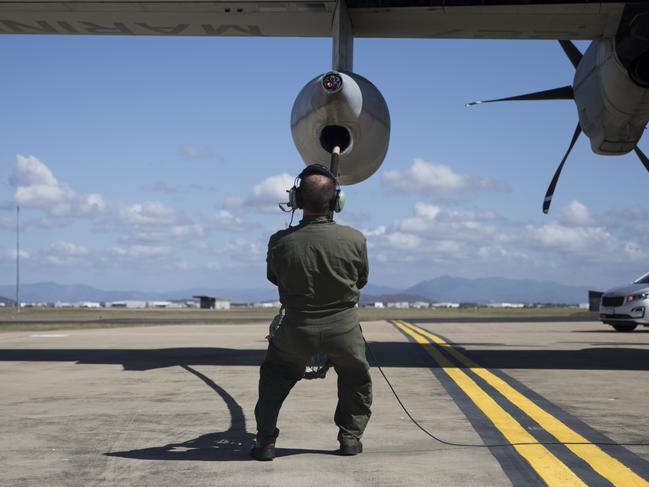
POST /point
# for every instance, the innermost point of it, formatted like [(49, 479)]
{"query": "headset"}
[(295, 201)]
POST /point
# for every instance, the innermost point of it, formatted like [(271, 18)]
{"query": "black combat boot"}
[(348, 449), (263, 453)]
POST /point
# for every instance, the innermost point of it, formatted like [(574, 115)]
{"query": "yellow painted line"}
[(604, 464), (552, 470)]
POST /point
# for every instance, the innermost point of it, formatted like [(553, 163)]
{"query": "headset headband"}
[(295, 193), (317, 169)]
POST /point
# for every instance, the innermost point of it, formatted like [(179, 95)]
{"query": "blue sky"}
[(157, 163)]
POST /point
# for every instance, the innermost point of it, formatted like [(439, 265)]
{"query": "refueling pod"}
[(346, 110)]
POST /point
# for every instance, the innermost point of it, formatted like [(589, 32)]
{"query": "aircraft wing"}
[(493, 19)]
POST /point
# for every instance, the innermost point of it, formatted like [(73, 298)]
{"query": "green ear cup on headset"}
[(340, 201)]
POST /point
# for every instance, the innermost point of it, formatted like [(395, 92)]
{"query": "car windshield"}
[(643, 280)]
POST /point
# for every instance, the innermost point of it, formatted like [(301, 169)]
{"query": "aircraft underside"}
[(610, 86), (415, 19)]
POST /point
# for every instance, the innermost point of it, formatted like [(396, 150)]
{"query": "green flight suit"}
[(319, 267)]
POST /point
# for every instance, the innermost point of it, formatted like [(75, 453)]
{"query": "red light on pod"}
[(332, 82)]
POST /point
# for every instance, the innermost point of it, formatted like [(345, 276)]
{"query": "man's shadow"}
[(231, 445)]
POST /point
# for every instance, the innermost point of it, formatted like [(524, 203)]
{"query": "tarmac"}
[(173, 405)]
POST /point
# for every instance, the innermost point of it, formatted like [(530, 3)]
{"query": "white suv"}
[(626, 307)]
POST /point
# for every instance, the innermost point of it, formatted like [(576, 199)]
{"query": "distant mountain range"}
[(440, 289), (483, 290), (499, 289)]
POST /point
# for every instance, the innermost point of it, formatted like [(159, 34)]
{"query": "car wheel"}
[(624, 327)]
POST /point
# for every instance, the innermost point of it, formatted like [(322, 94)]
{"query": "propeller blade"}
[(572, 52), (563, 93), (548, 195), (642, 157)]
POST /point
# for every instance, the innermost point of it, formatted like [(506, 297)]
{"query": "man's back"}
[(319, 267)]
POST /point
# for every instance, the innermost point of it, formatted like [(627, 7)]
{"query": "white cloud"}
[(435, 178), (154, 222), (241, 250), (61, 253), (403, 241), (426, 211), (447, 247), (437, 223), (380, 230), (425, 176), (36, 187), (29, 171), (233, 253), (354, 218), (57, 200), (554, 235), (264, 196), (142, 251), (226, 220), (148, 213), (436, 240), (11, 254), (189, 230), (268, 193), (68, 248), (56, 260), (164, 234), (92, 203), (575, 213)]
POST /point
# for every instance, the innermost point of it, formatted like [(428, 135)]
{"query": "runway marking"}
[(552, 470), (48, 336), (601, 462)]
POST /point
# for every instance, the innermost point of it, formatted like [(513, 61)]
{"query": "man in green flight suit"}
[(319, 267)]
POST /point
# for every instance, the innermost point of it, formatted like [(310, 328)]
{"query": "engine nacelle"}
[(347, 110), (613, 109)]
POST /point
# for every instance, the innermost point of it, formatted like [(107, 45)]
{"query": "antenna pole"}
[(17, 259), (333, 167)]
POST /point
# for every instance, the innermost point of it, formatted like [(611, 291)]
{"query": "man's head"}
[(317, 192)]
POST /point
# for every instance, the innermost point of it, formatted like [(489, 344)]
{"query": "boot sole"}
[(351, 450), (263, 455)]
